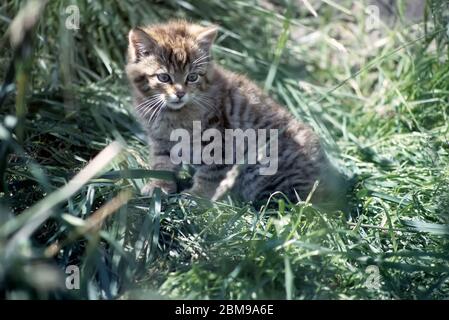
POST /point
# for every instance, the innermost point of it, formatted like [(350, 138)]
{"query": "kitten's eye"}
[(163, 77), (192, 77)]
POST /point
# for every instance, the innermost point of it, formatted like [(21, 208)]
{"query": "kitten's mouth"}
[(176, 105)]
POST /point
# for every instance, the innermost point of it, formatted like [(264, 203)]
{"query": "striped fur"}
[(220, 99)]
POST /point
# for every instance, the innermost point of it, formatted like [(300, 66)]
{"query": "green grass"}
[(378, 99)]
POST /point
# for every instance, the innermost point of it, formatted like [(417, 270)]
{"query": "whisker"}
[(142, 107), (205, 104), (154, 118), (201, 63), (201, 58), (152, 107), (206, 98), (200, 104), (145, 107), (144, 110), (156, 111), (201, 68), (213, 107), (159, 112), (146, 100)]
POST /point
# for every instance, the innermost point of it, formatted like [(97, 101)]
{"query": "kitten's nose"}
[(180, 94)]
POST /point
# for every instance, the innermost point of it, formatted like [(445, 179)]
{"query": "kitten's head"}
[(167, 63)]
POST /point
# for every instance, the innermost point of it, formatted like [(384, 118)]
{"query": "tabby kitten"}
[(175, 82)]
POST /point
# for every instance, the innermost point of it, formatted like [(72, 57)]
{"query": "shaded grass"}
[(378, 100)]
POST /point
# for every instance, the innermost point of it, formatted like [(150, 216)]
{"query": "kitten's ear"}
[(206, 37), (140, 44)]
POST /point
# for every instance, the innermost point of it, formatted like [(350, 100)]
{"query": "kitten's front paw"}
[(199, 192), (191, 192), (166, 187)]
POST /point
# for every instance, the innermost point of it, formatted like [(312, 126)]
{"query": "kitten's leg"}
[(160, 160), (206, 180)]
